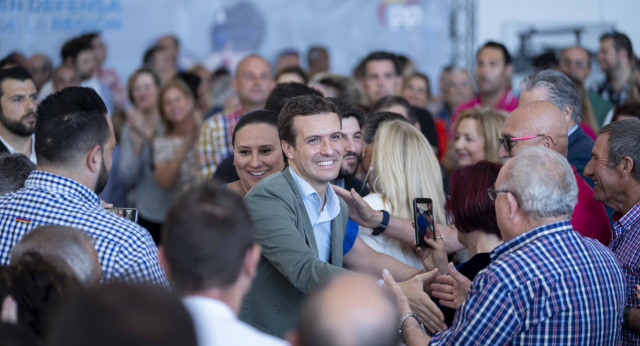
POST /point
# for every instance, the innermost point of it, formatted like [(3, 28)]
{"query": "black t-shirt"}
[(470, 269)]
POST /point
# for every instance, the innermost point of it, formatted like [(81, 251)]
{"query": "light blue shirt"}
[(573, 129), (320, 219)]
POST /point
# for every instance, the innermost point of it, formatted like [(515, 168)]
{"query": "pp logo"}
[(400, 14)]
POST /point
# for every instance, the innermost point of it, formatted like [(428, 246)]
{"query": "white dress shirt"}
[(216, 324)]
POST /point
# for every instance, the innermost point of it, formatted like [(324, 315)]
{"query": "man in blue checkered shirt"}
[(546, 284), (74, 142), (613, 169)]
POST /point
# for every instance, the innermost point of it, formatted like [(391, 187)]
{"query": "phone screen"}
[(129, 213), (423, 220)]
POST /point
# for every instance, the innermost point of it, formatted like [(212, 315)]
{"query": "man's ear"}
[(512, 204), (398, 84), (626, 166), (549, 142), (509, 71), (287, 149), (567, 110), (234, 84), (251, 258), (94, 159)]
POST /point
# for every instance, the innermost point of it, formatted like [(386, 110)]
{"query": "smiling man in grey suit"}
[(300, 221)]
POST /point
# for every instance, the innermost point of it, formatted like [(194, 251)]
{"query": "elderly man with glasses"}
[(540, 123), (546, 284)]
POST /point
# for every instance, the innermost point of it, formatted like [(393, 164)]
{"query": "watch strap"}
[(383, 224)]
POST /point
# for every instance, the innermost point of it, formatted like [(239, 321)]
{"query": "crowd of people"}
[(275, 206)]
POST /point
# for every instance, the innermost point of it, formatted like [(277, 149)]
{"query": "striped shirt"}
[(626, 246), (125, 250), (547, 286), (214, 143)]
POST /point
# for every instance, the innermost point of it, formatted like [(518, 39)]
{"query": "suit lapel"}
[(304, 224), (337, 238)]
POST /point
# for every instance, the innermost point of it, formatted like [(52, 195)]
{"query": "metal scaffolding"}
[(462, 32)]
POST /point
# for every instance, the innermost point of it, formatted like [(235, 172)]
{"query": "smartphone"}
[(423, 220), (128, 213)]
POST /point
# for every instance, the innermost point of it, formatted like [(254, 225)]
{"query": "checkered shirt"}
[(125, 250), (549, 286), (626, 246), (214, 143)]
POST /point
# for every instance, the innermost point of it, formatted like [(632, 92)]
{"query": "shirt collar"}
[(11, 150), (332, 204), (506, 99), (528, 237), (58, 184), (573, 129), (629, 220)]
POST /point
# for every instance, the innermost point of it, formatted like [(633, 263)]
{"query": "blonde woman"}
[(476, 135), (403, 167)]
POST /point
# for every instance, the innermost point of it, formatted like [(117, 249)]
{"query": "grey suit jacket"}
[(290, 266)]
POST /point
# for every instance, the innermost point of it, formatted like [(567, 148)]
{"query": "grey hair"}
[(542, 182), (14, 170), (624, 140), (562, 91), (69, 249)]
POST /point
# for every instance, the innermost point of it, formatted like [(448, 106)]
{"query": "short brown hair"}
[(301, 106)]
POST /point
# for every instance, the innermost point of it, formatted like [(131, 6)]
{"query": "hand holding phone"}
[(423, 220), (128, 213)]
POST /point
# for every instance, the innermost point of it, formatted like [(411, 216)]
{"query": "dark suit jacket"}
[(580, 146), (290, 266)]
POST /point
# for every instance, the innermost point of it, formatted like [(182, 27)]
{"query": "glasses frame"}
[(507, 141), (493, 193)]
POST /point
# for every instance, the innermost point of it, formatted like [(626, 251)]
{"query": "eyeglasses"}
[(508, 141), (569, 62), (493, 193)]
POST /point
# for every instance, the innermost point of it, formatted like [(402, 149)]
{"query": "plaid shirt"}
[(214, 143), (626, 246), (548, 286), (125, 250)]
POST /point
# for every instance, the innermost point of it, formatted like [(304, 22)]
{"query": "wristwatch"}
[(383, 224)]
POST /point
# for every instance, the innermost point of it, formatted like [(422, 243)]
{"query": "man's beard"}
[(103, 177), (347, 172), (17, 126)]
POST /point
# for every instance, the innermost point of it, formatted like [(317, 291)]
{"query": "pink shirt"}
[(589, 217), (508, 103)]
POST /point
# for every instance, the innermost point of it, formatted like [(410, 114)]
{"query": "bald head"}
[(532, 119), (69, 249), (253, 82), (351, 310), (40, 67)]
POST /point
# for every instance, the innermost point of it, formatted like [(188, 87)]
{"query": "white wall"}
[(502, 19)]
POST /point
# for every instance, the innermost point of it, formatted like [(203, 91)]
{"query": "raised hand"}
[(427, 311), (435, 255)]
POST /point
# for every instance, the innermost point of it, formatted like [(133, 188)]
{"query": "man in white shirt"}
[(210, 254), (18, 105)]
